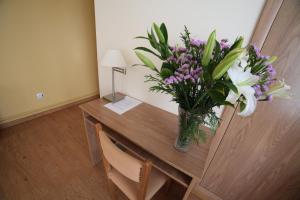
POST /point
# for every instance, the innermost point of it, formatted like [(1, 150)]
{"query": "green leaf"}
[(209, 47), (159, 34), (207, 75), (163, 51), (141, 37), (151, 41), (168, 66), (219, 86), (226, 63), (217, 96), (217, 54), (237, 43), (147, 50), (242, 106), (230, 86), (146, 61), (164, 31), (258, 67), (165, 73)]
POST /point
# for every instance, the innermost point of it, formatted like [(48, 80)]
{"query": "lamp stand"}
[(113, 97)]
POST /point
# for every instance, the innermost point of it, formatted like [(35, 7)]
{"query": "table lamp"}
[(114, 60)]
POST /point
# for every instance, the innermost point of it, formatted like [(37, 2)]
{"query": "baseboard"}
[(48, 111)]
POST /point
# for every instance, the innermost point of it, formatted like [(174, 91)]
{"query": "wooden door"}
[(259, 156)]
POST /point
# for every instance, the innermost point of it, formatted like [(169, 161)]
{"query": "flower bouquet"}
[(201, 75)]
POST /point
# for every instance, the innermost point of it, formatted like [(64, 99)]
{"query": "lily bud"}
[(209, 47), (279, 89), (226, 63), (271, 60), (159, 34), (146, 60)]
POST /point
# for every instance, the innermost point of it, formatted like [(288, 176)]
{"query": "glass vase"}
[(189, 125)]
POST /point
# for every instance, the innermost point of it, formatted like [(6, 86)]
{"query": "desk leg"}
[(190, 188), (92, 139)]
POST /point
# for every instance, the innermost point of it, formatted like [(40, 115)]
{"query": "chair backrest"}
[(127, 165)]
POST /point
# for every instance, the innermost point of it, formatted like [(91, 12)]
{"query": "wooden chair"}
[(135, 178)]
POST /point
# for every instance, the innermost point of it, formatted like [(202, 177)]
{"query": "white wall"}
[(119, 21)]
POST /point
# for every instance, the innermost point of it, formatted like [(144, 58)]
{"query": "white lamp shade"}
[(113, 58)]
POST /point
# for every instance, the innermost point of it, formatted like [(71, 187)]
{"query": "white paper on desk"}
[(123, 105)]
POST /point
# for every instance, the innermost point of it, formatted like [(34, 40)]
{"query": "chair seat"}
[(130, 188)]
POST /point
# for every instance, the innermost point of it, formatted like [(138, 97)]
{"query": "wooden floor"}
[(47, 158)]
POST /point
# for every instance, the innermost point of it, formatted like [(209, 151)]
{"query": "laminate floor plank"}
[(47, 158)]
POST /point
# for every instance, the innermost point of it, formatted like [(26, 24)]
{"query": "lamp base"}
[(117, 98)]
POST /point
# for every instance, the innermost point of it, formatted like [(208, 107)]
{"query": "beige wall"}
[(118, 22), (46, 46)]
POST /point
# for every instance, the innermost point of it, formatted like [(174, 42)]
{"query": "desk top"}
[(155, 131)]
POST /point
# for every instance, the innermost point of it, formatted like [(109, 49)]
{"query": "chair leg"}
[(112, 189)]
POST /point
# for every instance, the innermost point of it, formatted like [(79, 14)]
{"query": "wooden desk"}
[(150, 133)]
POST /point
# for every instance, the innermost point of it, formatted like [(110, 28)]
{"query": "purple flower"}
[(258, 91), (180, 69), (170, 80), (173, 49), (171, 59), (257, 50), (181, 49), (264, 57), (197, 43), (196, 76), (193, 73), (269, 98), (269, 82), (189, 56), (187, 77), (258, 53), (271, 71), (179, 78), (175, 79), (178, 49), (185, 66), (184, 60), (196, 72), (198, 69), (224, 44), (184, 73), (265, 87)]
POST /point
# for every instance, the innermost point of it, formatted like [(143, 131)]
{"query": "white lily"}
[(279, 89), (243, 60), (243, 80)]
